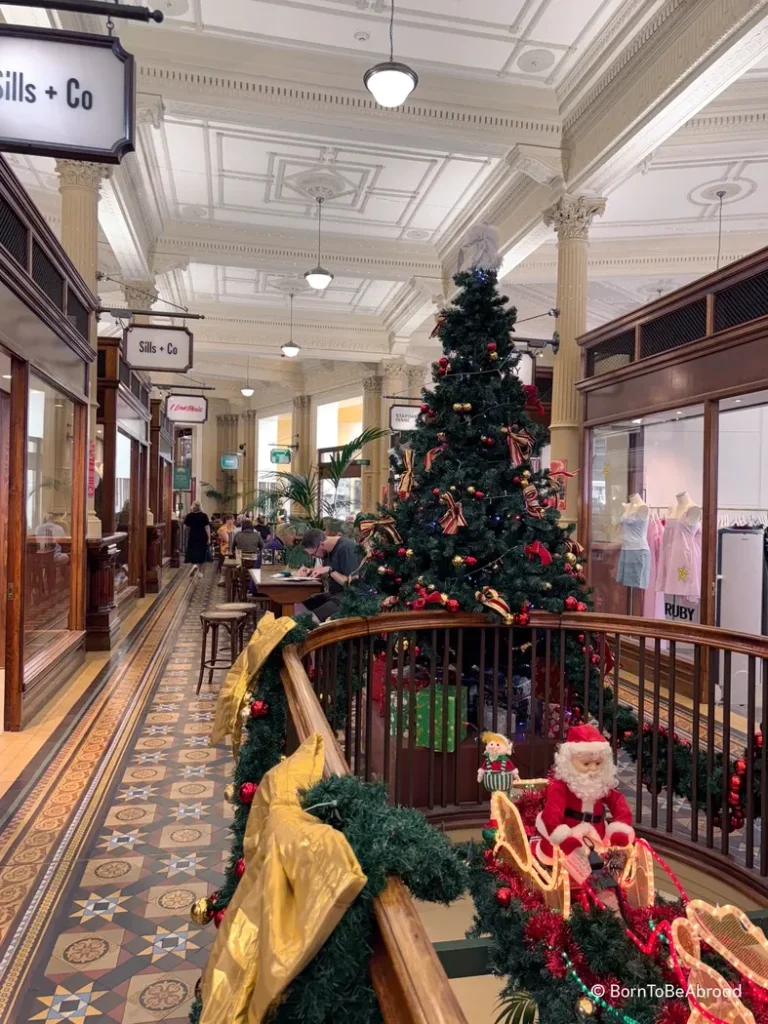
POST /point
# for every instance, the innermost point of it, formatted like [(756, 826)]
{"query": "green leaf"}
[(340, 461), (519, 1008)]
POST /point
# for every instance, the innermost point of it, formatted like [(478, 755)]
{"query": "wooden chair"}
[(233, 622)]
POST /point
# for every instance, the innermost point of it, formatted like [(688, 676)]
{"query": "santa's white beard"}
[(586, 786)]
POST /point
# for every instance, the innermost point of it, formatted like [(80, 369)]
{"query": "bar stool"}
[(232, 621), (248, 608)]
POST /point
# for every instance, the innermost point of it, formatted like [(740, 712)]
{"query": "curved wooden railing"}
[(706, 685), (410, 983)]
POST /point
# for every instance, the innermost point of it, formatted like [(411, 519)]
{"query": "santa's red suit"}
[(567, 819)]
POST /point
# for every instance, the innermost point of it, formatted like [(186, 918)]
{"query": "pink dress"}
[(653, 601), (679, 569)]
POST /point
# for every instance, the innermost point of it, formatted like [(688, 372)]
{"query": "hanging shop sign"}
[(403, 417), (167, 349), (186, 409), (65, 94), (229, 461), (182, 478), (280, 456)]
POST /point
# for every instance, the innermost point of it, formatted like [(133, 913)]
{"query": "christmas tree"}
[(475, 523)]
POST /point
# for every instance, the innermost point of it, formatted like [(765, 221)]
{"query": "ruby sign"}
[(186, 409)]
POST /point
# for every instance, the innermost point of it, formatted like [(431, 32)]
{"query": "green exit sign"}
[(280, 456), (229, 462)]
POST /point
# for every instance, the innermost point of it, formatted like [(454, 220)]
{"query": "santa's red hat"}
[(585, 739)]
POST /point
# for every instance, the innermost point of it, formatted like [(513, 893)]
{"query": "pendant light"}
[(390, 83), (318, 278), (291, 349), (247, 391)]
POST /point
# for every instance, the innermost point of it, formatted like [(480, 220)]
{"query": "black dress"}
[(197, 538)]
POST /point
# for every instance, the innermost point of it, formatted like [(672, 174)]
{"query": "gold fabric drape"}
[(300, 877)]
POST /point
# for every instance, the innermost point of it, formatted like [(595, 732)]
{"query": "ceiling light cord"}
[(392, 31), (290, 335), (720, 195), (319, 222)]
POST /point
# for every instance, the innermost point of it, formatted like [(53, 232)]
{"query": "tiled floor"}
[(120, 945)]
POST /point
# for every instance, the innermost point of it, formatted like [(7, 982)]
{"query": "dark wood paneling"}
[(709, 513), (17, 546), (5, 453)]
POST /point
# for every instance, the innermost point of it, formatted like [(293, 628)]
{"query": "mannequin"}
[(679, 569), (634, 566)]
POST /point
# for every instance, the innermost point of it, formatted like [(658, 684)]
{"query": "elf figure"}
[(497, 771), (582, 787)]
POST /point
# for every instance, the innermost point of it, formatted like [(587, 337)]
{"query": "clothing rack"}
[(727, 517)]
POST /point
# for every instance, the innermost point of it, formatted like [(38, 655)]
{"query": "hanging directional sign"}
[(230, 462), (186, 408), (157, 348), (65, 94), (403, 417), (280, 456)]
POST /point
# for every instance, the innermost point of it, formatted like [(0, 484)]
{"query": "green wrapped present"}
[(422, 698)]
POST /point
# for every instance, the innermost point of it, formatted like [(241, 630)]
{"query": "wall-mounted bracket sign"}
[(403, 417), (280, 456), (167, 349), (186, 408), (65, 94), (230, 462)]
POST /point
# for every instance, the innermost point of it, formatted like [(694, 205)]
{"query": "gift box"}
[(552, 722), (422, 701)]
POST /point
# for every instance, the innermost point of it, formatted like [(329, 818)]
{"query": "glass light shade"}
[(290, 350), (318, 278), (246, 392), (390, 83)]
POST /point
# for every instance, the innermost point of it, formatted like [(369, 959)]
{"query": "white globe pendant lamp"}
[(247, 391), (390, 83), (290, 350), (318, 278)]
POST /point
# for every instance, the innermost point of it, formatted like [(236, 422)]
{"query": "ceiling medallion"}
[(174, 8), (319, 183), (536, 61), (734, 192)]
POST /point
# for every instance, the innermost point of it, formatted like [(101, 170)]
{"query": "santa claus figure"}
[(582, 789)]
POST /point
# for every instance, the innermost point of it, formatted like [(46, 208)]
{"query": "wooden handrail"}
[(338, 630), (410, 983)]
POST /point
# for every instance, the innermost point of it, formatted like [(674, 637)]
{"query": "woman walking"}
[(198, 544)]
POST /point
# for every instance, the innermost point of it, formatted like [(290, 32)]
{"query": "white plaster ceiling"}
[(523, 40)]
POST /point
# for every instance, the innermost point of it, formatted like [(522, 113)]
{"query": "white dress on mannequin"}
[(634, 568)]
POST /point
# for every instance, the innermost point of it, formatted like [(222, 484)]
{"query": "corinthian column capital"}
[(571, 216), (82, 175)]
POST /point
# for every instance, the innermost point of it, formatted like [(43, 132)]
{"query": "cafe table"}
[(284, 594)]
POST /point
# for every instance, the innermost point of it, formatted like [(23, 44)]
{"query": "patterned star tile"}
[(195, 771), (195, 811), (157, 730), (202, 716), (164, 707), (184, 864), (104, 907), (149, 758), (198, 741), (64, 1005), (164, 941), (121, 840), (138, 793)]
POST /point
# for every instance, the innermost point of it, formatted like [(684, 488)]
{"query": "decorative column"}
[(303, 457), (396, 382), (247, 472), (371, 475), (79, 185), (571, 217)]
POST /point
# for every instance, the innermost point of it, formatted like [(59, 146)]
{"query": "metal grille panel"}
[(47, 277), (101, 363), (13, 233), (742, 302), (77, 313), (611, 354), (124, 373), (674, 329)]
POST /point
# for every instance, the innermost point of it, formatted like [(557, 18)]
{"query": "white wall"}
[(267, 438), (743, 459), (674, 461)]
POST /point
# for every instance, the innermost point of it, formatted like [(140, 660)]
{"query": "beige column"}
[(79, 185), (396, 382), (571, 217), (371, 475), (303, 458), (141, 295), (246, 476)]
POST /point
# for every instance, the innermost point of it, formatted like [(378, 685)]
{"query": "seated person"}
[(248, 541), (340, 560)]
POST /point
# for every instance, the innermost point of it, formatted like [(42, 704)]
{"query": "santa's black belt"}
[(595, 819)]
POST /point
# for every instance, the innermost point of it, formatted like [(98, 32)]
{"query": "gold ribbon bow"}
[(242, 677), (454, 517), (520, 446), (406, 480), (368, 527), (493, 600), (300, 878), (532, 506), (432, 454)]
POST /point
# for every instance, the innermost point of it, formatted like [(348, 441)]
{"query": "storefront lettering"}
[(14, 89), (678, 611)]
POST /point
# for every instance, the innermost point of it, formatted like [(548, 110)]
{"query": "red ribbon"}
[(537, 548), (520, 447), (454, 517), (434, 598), (440, 322), (532, 402), (432, 454), (532, 506), (406, 480)]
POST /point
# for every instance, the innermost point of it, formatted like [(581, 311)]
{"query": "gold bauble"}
[(570, 558), (431, 587), (457, 406), (452, 487), (457, 560), (200, 912), (526, 474), (229, 793), (467, 407), (585, 1006), (409, 553), (505, 430), (546, 586), (579, 567), (419, 579), (494, 355), (470, 490), (444, 598), (381, 570)]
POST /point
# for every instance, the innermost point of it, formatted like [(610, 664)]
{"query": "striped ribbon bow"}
[(432, 454), (368, 527), (532, 505), (520, 446), (406, 480), (493, 600), (454, 517)]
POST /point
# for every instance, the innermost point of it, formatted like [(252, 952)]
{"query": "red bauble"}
[(628, 734), (523, 619), (479, 494), (390, 572), (759, 740), (733, 799), (240, 868), (218, 917), (504, 896), (491, 346), (259, 709), (398, 579), (515, 479), (442, 361), (441, 371), (581, 607), (402, 552), (568, 568), (424, 407), (452, 605), (571, 604), (595, 659), (470, 560), (436, 491), (581, 638), (741, 766), (247, 792), (735, 783)]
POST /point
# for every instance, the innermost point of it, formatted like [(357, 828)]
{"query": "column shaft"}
[(303, 458), (372, 475)]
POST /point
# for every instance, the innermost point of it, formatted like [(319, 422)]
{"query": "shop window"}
[(646, 539), (49, 515), (123, 466)]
